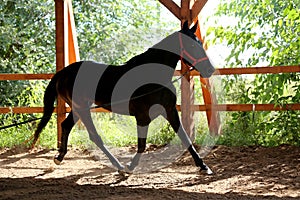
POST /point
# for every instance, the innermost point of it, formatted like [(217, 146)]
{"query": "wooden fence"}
[(67, 52), (217, 107)]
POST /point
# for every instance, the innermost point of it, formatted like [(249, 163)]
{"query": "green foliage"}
[(162, 136), (262, 31), (268, 26), (27, 35), (269, 31), (263, 128), (113, 31), (19, 135), (259, 128), (26, 46), (108, 31), (115, 130), (12, 136)]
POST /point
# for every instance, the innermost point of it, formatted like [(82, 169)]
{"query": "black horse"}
[(142, 88)]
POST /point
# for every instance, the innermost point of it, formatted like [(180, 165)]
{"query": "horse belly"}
[(115, 107)]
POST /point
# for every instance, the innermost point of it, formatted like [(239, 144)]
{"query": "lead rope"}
[(94, 107), (142, 95), (183, 52)]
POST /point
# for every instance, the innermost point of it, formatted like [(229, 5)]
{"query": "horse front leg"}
[(142, 137), (173, 118), (66, 126)]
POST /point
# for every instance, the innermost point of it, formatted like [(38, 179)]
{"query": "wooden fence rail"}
[(17, 77), (219, 107), (222, 71)]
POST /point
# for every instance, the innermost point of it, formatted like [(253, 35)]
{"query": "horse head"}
[(192, 52)]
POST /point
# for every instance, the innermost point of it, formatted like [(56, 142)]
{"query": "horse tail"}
[(50, 96)]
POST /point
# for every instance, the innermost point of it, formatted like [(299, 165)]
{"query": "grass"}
[(117, 130), (17, 136)]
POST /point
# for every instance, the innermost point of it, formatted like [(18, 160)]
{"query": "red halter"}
[(183, 53)]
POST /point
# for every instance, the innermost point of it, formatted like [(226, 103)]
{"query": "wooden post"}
[(213, 118), (187, 83), (60, 59), (73, 51), (66, 50), (187, 87)]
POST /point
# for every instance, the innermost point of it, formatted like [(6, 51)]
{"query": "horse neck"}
[(163, 57), (167, 51), (153, 55)]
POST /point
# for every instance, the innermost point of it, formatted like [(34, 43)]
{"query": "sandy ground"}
[(239, 173)]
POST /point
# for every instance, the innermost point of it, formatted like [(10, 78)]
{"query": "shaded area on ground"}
[(240, 173)]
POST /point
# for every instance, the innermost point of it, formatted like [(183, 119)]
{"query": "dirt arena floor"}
[(240, 173)]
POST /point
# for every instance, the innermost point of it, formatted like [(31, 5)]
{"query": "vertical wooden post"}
[(213, 118), (60, 59), (73, 51), (187, 87), (187, 84), (66, 50)]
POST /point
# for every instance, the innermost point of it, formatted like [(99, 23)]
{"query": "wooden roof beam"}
[(180, 12), (196, 9), (185, 11), (171, 6)]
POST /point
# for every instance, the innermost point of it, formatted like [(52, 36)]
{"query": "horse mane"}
[(139, 59), (154, 53)]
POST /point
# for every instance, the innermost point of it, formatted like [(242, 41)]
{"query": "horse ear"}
[(185, 25), (194, 28)]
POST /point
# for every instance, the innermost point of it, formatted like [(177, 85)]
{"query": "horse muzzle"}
[(205, 68)]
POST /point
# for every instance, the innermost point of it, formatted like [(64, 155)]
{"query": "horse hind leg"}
[(173, 118), (86, 118), (67, 126)]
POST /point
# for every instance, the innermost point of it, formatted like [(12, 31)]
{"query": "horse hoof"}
[(207, 171), (56, 161), (128, 170), (125, 171), (121, 172)]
